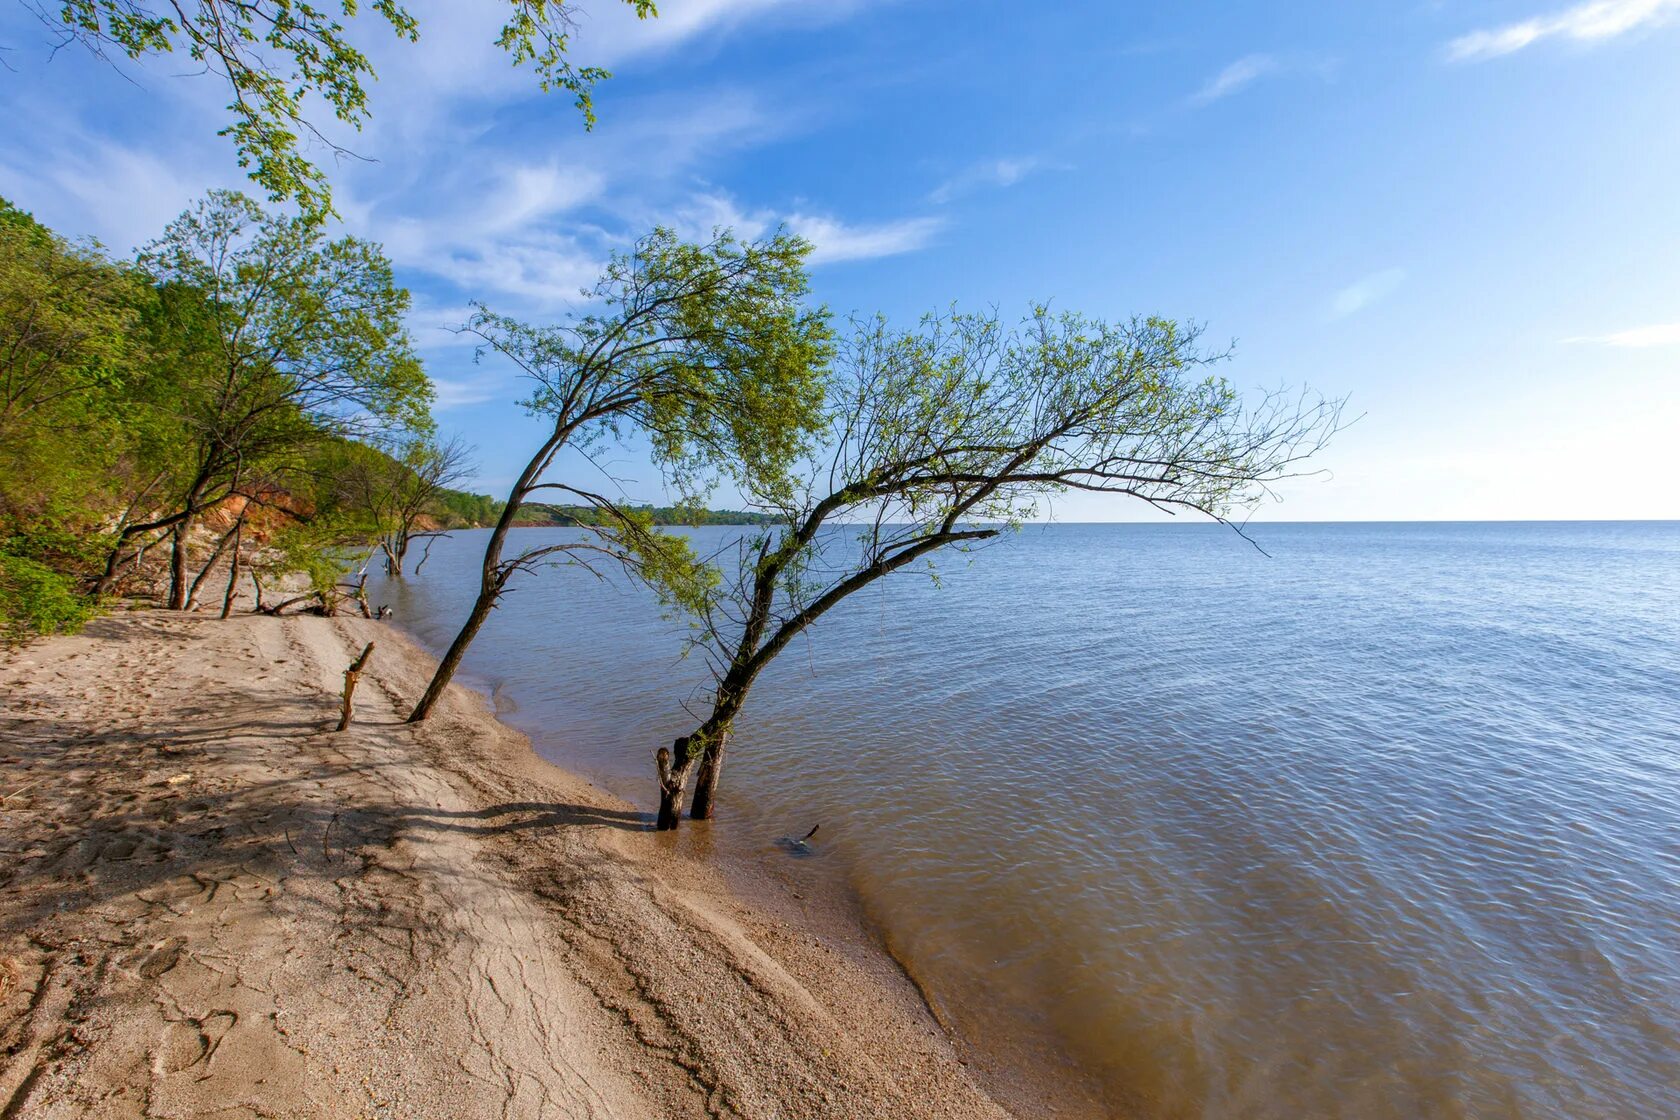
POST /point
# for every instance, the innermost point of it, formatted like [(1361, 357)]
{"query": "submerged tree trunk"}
[(673, 776), (711, 768)]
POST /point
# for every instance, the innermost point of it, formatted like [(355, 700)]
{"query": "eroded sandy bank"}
[(213, 906)]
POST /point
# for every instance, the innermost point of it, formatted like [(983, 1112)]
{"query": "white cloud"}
[(1592, 22), (837, 241), (122, 195), (455, 393), (1234, 77), (1638, 338), (1365, 291), (990, 173)]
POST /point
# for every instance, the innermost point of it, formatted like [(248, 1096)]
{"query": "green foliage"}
[(706, 349), (286, 317), (461, 510), (67, 318), (232, 366), (274, 53), (35, 599)]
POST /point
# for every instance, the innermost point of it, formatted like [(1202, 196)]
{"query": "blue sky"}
[(1463, 215)]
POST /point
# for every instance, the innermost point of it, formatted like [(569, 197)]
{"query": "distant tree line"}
[(538, 513)]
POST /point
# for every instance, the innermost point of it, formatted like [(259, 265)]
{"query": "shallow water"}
[(1386, 824)]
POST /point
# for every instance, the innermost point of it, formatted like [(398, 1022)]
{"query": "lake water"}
[(1384, 824)]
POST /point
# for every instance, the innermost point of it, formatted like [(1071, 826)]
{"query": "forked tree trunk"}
[(673, 776), (706, 784), (204, 572)]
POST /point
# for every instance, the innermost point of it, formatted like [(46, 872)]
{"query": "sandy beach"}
[(212, 905)]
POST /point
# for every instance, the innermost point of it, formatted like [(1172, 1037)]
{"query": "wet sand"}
[(212, 905)]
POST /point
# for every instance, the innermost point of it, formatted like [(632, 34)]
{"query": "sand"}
[(212, 905)]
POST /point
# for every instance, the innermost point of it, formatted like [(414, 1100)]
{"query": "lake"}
[(1385, 823)]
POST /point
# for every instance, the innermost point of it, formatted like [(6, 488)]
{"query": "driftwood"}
[(351, 675)]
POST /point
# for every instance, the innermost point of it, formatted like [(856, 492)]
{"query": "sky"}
[(1462, 216)]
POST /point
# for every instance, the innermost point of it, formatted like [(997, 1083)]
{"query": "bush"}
[(34, 600)]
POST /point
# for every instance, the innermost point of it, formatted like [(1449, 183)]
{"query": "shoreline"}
[(1018, 1061), (431, 921)]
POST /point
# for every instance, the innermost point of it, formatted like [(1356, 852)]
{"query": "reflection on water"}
[(1383, 825)]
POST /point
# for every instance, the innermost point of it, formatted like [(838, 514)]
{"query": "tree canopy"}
[(704, 349), (948, 435)]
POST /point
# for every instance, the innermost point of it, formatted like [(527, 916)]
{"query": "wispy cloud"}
[(456, 393), (1241, 73), (1638, 338), (991, 173), (1592, 22), (837, 241), (1365, 291)]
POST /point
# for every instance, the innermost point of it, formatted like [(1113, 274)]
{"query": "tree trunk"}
[(493, 577), (233, 569), (204, 572), (711, 767), (673, 776), (178, 566), (482, 606)]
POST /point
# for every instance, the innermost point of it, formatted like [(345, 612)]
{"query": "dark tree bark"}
[(233, 569), (178, 565), (706, 782), (493, 574), (673, 776)]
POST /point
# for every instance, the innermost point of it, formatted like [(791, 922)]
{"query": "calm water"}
[(1384, 825)]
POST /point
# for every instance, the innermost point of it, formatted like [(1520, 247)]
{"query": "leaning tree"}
[(707, 351), (946, 436)]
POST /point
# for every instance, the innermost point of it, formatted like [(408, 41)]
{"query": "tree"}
[(399, 491), (704, 349), (946, 437), (66, 318), (71, 362), (273, 53), (278, 339)]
